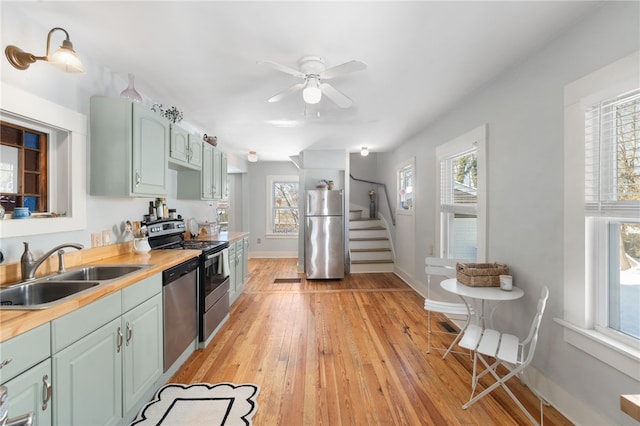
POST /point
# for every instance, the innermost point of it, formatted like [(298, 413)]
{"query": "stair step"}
[(360, 262), (371, 249), (365, 224), (369, 228), (362, 268), (370, 255)]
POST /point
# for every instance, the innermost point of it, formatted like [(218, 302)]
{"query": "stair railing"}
[(386, 193)]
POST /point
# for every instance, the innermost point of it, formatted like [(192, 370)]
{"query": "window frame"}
[(271, 180), (69, 184), (411, 163), (474, 140), (582, 314)]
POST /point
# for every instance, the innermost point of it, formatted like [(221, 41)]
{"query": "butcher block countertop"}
[(15, 322), (222, 236)]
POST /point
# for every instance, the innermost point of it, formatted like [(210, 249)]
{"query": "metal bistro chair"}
[(436, 266), (506, 349)]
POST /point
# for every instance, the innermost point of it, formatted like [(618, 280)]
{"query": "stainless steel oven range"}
[(213, 277)]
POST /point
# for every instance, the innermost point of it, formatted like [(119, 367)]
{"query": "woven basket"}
[(481, 274)]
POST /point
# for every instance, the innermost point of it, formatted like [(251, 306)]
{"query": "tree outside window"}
[(612, 209), (284, 212)]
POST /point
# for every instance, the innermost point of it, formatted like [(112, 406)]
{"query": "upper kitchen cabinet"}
[(185, 150), (129, 149), (208, 184)]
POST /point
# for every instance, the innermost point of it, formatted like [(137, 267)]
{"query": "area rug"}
[(200, 404)]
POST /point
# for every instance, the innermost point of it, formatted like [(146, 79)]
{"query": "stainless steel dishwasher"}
[(179, 290)]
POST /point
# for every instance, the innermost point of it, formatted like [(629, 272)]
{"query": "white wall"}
[(257, 207), (523, 109), (73, 91)]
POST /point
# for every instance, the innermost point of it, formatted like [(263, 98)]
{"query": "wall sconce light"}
[(252, 157), (311, 92), (364, 151), (64, 58)]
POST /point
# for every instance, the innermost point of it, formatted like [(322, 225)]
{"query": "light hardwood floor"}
[(350, 352)]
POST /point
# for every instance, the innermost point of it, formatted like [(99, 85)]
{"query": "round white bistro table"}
[(483, 294)]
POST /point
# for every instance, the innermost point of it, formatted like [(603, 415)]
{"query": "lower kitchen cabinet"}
[(232, 273), (239, 267), (245, 260), (143, 350), (31, 392), (105, 374), (88, 379)]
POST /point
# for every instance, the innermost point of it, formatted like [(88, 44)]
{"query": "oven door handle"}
[(213, 256)]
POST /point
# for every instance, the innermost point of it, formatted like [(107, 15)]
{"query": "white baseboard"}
[(577, 411)]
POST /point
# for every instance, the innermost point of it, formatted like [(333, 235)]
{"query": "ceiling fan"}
[(313, 71)]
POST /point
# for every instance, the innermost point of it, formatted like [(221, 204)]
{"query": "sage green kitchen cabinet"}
[(25, 369), (185, 150), (245, 260), (143, 350), (31, 392), (88, 379), (129, 149), (210, 183), (100, 377), (240, 274), (224, 182), (232, 273)]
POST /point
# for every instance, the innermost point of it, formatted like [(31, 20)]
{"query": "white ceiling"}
[(423, 57)]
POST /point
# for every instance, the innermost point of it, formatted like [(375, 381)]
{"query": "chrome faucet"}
[(28, 264)]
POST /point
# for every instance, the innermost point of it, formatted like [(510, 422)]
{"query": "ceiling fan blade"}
[(286, 92), (336, 96), (283, 68), (347, 67)]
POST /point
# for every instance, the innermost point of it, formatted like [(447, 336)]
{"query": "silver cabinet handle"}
[(129, 333), (46, 391), (119, 339), (5, 362), (138, 178)]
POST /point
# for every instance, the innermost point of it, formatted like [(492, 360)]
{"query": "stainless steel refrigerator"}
[(324, 234)]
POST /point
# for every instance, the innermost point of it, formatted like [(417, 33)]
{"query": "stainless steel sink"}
[(41, 294), (51, 290), (97, 273)]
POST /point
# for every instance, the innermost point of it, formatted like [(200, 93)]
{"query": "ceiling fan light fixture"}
[(364, 151), (252, 157), (311, 92)]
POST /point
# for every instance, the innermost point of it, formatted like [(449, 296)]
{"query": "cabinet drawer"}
[(77, 324), (232, 250), (239, 246), (135, 294), (24, 351)]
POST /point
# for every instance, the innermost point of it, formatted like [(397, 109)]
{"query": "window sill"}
[(282, 236), (620, 356)]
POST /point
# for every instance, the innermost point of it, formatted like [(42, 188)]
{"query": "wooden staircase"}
[(369, 245)]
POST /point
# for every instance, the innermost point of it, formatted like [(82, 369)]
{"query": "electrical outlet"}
[(106, 237), (96, 241), (259, 240)]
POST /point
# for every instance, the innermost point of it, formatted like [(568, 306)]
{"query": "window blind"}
[(612, 157), (459, 180)]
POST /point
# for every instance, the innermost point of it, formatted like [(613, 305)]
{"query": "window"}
[(405, 187), (283, 217), (23, 168), (601, 215), (461, 222), (612, 212)]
